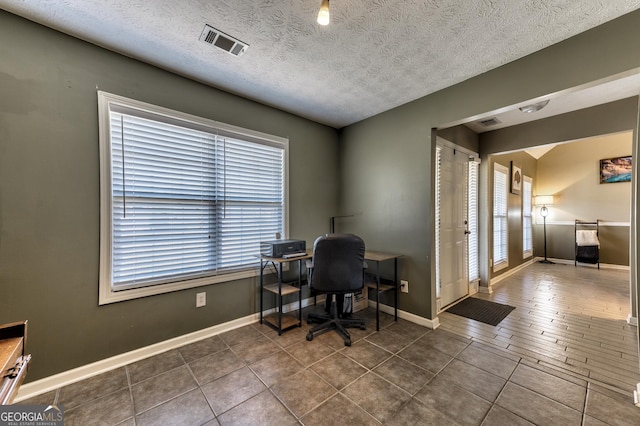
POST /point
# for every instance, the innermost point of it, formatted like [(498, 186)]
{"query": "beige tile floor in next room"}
[(564, 356)]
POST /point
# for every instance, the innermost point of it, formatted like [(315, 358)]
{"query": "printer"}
[(282, 248)]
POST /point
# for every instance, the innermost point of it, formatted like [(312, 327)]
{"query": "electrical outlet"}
[(404, 286), (201, 300)]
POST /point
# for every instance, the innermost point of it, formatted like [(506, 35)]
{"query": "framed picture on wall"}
[(616, 169), (516, 178)]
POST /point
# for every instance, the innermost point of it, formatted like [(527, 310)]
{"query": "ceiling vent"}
[(223, 41), (489, 122)]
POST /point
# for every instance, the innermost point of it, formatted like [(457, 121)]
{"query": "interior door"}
[(453, 194)]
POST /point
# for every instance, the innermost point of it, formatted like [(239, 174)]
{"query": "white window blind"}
[(500, 232), (474, 257), (527, 239), (188, 200)]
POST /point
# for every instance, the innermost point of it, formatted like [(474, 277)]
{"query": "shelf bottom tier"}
[(288, 320), (383, 287)]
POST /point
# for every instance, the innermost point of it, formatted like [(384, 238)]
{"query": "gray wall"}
[(461, 136), (614, 243), (387, 160), (49, 196), (528, 165), (385, 179), (603, 119)]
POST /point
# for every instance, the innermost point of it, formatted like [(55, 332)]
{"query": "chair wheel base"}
[(309, 336), (347, 342)]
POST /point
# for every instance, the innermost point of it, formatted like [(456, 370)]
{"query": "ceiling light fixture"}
[(323, 14), (534, 107)]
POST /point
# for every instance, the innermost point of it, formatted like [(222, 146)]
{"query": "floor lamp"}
[(545, 200)]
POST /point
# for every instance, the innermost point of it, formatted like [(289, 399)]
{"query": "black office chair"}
[(337, 268)]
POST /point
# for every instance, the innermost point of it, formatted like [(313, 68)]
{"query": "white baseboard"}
[(520, 267), (474, 287), (429, 323), (631, 320), (496, 280), (485, 290), (588, 265), (65, 378)]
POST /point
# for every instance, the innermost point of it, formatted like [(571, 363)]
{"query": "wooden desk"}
[(277, 320), (377, 258), (284, 322)]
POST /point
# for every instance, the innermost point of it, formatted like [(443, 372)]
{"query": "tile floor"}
[(404, 374), (568, 318)]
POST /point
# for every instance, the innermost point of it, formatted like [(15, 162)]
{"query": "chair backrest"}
[(338, 263)]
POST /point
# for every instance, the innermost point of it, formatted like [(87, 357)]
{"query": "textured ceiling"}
[(375, 54)]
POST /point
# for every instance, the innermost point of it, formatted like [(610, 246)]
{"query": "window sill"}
[(500, 266), (107, 295)]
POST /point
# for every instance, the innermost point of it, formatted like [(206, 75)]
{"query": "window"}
[(185, 201), (500, 233), (527, 239), (474, 258)]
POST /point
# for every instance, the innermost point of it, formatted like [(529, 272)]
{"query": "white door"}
[(453, 194)]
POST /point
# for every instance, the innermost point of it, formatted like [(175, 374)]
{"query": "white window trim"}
[(473, 248), (527, 253), (498, 266), (105, 103)]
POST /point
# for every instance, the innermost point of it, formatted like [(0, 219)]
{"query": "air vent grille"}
[(210, 36), (222, 41), (489, 122)]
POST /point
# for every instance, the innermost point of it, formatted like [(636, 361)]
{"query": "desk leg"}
[(262, 266), (300, 293), (377, 296), (395, 280), (279, 298)]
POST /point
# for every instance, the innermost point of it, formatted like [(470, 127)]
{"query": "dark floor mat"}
[(481, 310)]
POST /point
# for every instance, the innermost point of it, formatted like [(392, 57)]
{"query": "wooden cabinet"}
[(13, 360)]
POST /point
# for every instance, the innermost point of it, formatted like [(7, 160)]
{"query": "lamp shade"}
[(323, 14), (544, 200)]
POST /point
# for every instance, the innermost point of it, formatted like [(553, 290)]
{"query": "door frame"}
[(441, 142)]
